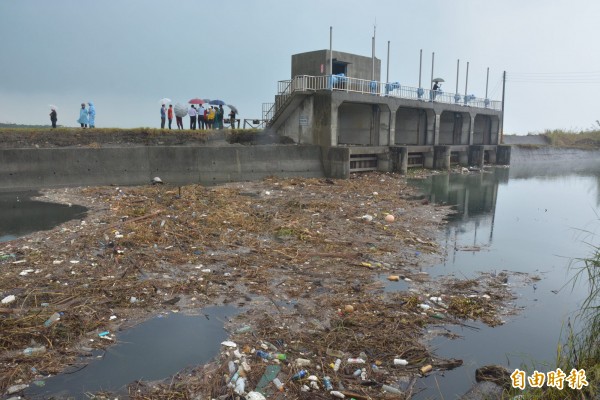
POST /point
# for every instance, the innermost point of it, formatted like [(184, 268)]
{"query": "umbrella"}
[(438, 80), (217, 102), (233, 108), (164, 100), (196, 101), (52, 107), (180, 110)]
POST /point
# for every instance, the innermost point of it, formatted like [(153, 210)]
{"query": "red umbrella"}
[(196, 101)]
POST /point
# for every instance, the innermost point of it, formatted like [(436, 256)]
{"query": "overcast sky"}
[(125, 55)]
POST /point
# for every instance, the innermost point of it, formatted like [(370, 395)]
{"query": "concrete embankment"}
[(25, 168)]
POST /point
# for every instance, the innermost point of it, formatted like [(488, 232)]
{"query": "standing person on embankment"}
[(53, 117), (92, 114), (83, 116)]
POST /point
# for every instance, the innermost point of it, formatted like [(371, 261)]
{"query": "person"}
[(170, 115), (92, 114), (83, 116), (179, 121), (201, 123), (206, 122), (192, 113), (220, 114), (232, 119), (434, 92), (53, 116), (211, 117), (163, 116)]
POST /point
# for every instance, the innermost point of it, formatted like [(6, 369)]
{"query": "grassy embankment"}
[(588, 139)]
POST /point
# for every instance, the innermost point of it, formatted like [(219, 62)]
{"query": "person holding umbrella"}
[(53, 116), (220, 113), (83, 116)]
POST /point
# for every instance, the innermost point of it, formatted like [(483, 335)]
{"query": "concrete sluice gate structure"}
[(362, 124)]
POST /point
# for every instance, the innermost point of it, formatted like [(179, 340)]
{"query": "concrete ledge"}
[(59, 167)]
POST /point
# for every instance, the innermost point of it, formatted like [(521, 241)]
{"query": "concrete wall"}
[(482, 132), (299, 125), (359, 67), (56, 167), (355, 123), (411, 126)]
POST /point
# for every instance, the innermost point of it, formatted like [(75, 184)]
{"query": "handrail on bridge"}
[(390, 89)]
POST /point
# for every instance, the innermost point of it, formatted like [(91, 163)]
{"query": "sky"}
[(126, 55)]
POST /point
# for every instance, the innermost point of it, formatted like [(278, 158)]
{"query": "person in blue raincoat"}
[(92, 114), (83, 116)]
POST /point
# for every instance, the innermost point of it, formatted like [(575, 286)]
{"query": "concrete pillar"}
[(384, 162), (471, 129), (467, 128), (492, 156), (428, 160), (430, 129), (334, 123), (403, 164), (436, 129), (384, 125), (441, 157), (463, 158), (476, 155), (392, 125), (336, 162), (503, 155)]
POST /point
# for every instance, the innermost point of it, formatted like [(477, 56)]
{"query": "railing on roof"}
[(391, 89)]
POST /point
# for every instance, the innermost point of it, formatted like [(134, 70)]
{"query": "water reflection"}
[(529, 219), (20, 215)]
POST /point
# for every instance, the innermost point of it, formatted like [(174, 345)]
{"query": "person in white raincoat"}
[(83, 116), (92, 114)]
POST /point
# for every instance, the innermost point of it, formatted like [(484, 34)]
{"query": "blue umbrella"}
[(217, 102)]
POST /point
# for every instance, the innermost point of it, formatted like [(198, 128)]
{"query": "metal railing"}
[(391, 89)]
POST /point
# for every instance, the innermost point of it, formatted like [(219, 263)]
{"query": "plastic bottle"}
[(327, 383), (263, 354), (356, 361), (363, 375), (280, 356), (337, 394), (240, 386), (400, 361), (231, 366), (391, 389), (356, 373), (302, 362), (235, 377), (34, 350), (300, 375), (53, 318), (337, 364), (334, 353), (278, 384)]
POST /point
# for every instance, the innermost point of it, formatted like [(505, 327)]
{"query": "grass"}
[(587, 139)]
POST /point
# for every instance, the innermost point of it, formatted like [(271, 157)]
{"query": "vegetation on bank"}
[(587, 139)]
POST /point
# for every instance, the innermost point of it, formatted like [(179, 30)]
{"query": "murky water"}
[(150, 351), (522, 219), (20, 215)]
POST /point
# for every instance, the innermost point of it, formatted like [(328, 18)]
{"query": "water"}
[(20, 215), (526, 220), (150, 351)]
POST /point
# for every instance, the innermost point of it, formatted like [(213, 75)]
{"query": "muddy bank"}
[(304, 257)]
